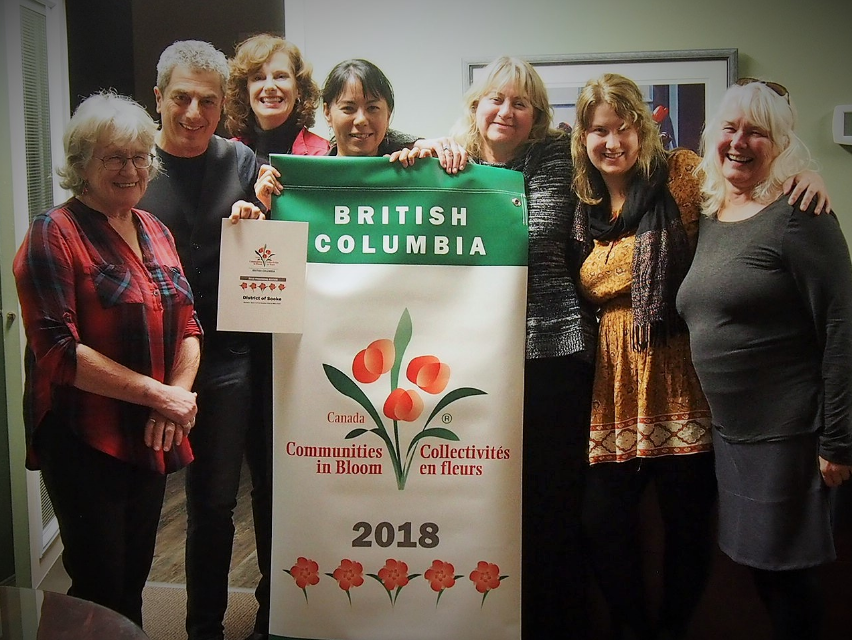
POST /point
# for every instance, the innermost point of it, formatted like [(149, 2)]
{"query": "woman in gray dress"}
[(768, 302)]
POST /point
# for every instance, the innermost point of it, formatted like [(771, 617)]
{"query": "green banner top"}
[(372, 211)]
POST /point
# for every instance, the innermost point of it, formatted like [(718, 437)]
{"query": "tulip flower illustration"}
[(427, 372), (305, 572), (441, 576), (486, 577), (349, 574), (403, 405), (374, 361), (264, 254), (393, 577)]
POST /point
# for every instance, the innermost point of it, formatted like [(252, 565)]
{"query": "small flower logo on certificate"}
[(262, 276)]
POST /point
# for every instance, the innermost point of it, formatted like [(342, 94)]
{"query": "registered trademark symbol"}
[(446, 418)]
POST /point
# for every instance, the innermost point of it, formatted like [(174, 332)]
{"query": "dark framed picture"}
[(680, 87)]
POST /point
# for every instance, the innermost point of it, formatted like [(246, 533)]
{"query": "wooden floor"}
[(168, 563)]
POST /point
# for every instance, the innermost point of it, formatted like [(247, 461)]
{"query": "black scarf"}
[(661, 256), (277, 140)]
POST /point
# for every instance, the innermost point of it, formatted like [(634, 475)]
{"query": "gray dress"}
[(768, 302)]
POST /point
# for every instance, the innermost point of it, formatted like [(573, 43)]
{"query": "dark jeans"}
[(232, 422), (686, 492), (557, 406), (108, 513)]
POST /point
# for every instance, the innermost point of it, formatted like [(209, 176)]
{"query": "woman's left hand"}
[(451, 155), (407, 157), (162, 433), (834, 474), (812, 185)]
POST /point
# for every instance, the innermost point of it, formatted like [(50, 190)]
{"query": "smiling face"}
[(612, 145), (504, 119), (745, 152), (273, 91), (190, 108), (115, 192), (359, 122)]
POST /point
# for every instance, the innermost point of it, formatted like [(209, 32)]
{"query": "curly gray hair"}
[(104, 117)]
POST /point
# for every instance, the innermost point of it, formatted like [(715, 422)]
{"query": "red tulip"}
[(403, 404), (428, 373), (372, 362)]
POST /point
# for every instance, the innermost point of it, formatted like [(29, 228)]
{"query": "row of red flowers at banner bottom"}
[(393, 576)]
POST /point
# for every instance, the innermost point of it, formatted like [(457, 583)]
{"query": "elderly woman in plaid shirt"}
[(113, 345)]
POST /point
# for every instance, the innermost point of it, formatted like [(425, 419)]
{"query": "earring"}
[(85, 188)]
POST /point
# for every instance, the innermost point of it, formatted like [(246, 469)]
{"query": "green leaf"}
[(354, 434), (345, 385), (451, 397), (400, 343), (438, 432)]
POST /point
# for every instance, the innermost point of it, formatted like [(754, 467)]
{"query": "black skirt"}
[(774, 508)]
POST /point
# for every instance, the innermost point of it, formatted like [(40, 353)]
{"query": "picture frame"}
[(680, 87)]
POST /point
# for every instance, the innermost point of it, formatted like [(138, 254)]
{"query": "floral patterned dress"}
[(645, 403)]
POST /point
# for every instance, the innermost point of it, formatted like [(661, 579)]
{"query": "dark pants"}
[(108, 513), (794, 601), (686, 492), (557, 406), (231, 424)]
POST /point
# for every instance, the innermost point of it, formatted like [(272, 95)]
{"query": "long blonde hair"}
[(502, 72), (764, 108), (625, 98)]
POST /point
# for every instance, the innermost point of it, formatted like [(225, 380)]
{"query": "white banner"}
[(398, 437)]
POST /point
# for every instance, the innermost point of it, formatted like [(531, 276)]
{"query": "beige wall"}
[(421, 45)]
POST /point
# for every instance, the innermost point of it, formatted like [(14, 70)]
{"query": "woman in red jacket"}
[(271, 99)]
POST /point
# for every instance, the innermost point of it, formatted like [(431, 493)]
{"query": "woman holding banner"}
[(507, 123), (358, 103)]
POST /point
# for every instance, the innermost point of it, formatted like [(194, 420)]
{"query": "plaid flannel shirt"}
[(80, 283)]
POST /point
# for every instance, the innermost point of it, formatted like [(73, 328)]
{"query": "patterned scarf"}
[(660, 259)]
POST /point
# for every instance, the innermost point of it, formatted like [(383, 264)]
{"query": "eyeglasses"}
[(117, 163), (780, 89)]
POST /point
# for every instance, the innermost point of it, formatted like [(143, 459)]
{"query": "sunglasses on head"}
[(780, 89)]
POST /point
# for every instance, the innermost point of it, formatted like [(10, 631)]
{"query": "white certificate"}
[(262, 276)]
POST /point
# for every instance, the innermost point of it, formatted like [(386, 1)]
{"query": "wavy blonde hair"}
[(505, 71), (764, 108), (626, 99), (251, 54)]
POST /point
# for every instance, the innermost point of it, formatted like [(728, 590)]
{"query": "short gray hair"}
[(104, 117), (193, 54)]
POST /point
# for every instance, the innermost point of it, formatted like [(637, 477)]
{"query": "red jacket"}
[(310, 144)]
